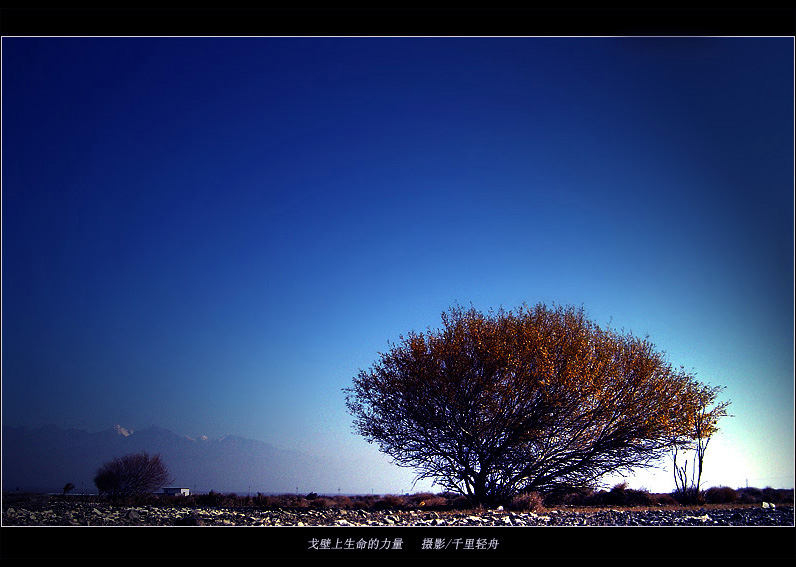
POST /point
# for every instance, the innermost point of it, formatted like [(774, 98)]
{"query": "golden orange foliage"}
[(534, 399)]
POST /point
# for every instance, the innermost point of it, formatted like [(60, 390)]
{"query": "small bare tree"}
[(131, 475), (688, 485)]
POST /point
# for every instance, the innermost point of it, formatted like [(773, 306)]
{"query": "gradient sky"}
[(213, 235)]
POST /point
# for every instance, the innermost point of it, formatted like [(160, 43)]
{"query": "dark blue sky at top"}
[(214, 234)]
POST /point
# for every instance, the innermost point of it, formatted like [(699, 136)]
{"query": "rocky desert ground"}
[(49, 510)]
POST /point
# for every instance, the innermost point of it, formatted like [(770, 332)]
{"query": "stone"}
[(189, 520)]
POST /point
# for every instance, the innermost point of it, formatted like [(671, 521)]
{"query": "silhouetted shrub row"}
[(753, 495), (619, 495)]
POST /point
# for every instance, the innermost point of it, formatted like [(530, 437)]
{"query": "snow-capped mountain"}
[(45, 459), (122, 431)]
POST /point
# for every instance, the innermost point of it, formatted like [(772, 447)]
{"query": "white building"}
[(171, 491)]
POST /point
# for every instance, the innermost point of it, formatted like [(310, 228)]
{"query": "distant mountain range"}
[(45, 459)]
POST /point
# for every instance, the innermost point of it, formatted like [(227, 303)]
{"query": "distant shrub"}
[(689, 497), (527, 502), (745, 497), (321, 503), (415, 500), (344, 502), (390, 502), (778, 495), (299, 503), (137, 500), (458, 502), (639, 498), (212, 499), (266, 500), (573, 497), (363, 502), (720, 495), (620, 495), (445, 501), (435, 502), (787, 496), (751, 494), (427, 501), (276, 501), (664, 500)]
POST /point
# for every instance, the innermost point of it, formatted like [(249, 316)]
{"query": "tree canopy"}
[(536, 399), (131, 475)]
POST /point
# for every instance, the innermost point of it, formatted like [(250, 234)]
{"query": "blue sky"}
[(213, 235)]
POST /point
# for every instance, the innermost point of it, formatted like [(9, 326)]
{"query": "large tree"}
[(536, 399)]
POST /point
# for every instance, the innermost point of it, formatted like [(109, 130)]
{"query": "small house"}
[(171, 491)]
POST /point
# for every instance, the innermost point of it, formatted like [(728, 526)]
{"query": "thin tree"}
[(541, 399), (688, 486)]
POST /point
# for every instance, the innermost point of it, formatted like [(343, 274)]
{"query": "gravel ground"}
[(44, 511)]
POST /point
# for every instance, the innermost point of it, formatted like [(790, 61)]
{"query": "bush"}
[(458, 502), (146, 499), (269, 501), (664, 500), (750, 495), (574, 497), (212, 499), (620, 495), (419, 499), (298, 502), (344, 502), (689, 497), (132, 475), (721, 495), (639, 498), (322, 503), (363, 502), (390, 502), (527, 502), (778, 495), (427, 501), (435, 502)]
